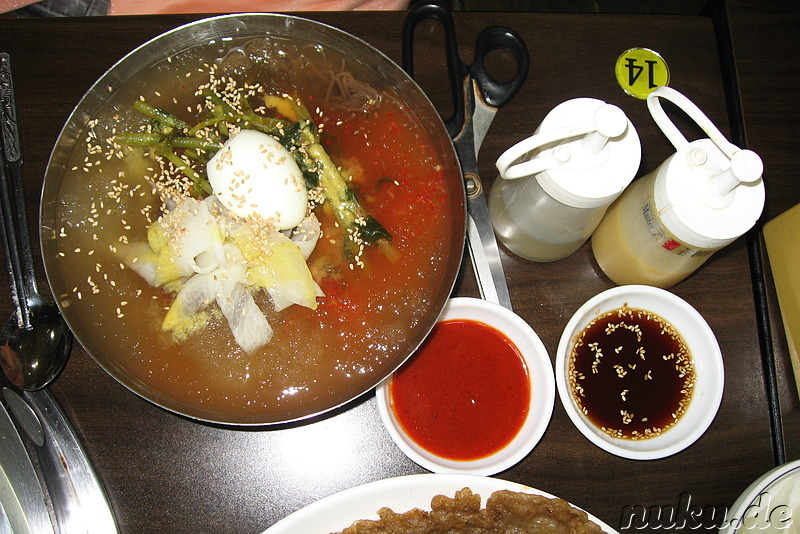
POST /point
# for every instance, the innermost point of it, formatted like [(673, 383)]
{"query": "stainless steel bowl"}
[(124, 81)]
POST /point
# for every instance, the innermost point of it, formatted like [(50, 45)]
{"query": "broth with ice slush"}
[(367, 312)]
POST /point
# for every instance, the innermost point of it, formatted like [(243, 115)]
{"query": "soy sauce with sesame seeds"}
[(631, 374)]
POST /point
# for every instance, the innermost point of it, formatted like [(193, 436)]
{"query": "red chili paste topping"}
[(465, 393)]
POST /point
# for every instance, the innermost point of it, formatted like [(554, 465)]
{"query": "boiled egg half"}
[(253, 174)]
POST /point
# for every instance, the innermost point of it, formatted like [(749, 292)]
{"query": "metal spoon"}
[(35, 342)]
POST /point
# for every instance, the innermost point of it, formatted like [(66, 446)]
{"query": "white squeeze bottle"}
[(555, 186), (669, 222)]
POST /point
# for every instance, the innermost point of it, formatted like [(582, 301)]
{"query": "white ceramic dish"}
[(770, 505), (541, 403), (340, 510), (706, 355)]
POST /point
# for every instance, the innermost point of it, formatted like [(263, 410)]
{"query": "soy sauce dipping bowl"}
[(542, 398), (702, 346)]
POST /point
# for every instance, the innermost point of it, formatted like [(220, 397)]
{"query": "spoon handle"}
[(13, 260), (16, 238)]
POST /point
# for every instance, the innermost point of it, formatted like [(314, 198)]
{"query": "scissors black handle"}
[(456, 68), (498, 94), (493, 92)]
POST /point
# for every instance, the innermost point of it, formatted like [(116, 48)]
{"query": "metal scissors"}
[(476, 99)]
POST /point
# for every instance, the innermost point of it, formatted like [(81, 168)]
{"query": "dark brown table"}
[(164, 473)]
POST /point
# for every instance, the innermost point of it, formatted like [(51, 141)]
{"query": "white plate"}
[(339, 511), (769, 505)]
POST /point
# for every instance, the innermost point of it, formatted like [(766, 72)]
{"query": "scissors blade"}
[(481, 242), (483, 250), (482, 117)]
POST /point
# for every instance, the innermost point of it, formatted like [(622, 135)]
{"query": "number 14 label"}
[(640, 70)]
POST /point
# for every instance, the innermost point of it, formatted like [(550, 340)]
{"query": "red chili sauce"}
[(465, 393)]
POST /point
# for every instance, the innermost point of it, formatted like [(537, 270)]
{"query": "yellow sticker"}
[(640, 70)]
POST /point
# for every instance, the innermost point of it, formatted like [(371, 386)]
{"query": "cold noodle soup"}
[(228, 313)]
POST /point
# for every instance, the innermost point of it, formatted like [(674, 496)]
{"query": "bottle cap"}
[(710, 191), (584, 154)]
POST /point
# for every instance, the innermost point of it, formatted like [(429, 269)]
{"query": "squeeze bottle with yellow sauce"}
[(669, 222), (555, 186)]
